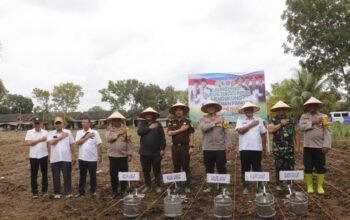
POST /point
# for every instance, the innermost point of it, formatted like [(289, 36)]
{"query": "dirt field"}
[(16, 201)]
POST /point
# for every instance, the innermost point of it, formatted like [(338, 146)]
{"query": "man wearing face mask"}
[(181, 131), (252, 141), (317, 142), (216, 140), (152, 147), (62, 156)]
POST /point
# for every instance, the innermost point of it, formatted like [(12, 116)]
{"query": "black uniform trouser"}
[(314, 158), (154, 163), (181, 158), (250, 160), (34, 169), (116, 165), (84, 167), (66, 169), (214, 159)]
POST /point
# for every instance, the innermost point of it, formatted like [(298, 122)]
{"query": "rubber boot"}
[(309, 183), (320, 181), (188, 184)]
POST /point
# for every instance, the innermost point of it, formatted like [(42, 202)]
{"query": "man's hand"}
[(184, 127), (90, 135), (254, 123), (64, 135), (43, 139), (317, 121), (129, 158), (284, 121), (153, 125), (162, 153), (100, 158), (190, 150), (74, 161), (325, 149), (264, 153), (227, 150)]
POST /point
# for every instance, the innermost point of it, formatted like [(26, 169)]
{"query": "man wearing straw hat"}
[(216, 139), (119, 151), (90, 151), (152, 146), (282, 127), (252, 141), (181, 131), (317, 142)]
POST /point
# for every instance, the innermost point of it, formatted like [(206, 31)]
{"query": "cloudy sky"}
[(88, 42)]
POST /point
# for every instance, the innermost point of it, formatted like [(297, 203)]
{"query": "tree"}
[(18, 104), (96, 108), (3, 90), (42, 97), (319, 33), (66, 97), (300, 88)]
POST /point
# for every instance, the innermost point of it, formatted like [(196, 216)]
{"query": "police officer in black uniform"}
[(181, 131)]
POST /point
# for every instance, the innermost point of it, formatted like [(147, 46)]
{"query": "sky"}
[(89, 42)]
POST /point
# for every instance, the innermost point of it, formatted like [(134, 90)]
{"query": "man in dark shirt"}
[(181, 131), (152, 145)]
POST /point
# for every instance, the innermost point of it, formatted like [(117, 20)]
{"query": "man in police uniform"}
[(181, 131)]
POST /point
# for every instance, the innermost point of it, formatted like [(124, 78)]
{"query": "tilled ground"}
[(16, 201)]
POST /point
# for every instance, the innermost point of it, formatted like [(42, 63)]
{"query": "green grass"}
[(340, 135)]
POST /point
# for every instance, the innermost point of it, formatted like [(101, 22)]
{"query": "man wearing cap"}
[(252, 141), (90, 151), (119, 151), (216, 139), (36, 139), (62, 155), (181, 131), (152, 146), (282, 128), (317, 142)]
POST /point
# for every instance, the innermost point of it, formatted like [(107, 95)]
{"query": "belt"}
[(181, 144)]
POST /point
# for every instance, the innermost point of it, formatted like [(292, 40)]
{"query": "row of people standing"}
[(58, 146)]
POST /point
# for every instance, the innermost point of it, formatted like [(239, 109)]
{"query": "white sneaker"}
[(69, 196), (57, 196)]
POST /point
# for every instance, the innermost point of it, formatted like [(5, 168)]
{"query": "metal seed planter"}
[(265, 205), (131, 206), (222, 206), (172, 206), (298, 204)]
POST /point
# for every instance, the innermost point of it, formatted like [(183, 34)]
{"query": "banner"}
[(231, 90)]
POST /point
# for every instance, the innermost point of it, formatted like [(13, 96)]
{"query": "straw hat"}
[(211, 103), (280, 105), (147, 111), (313, 100), (172, 110), (248, 105), (116, 115)]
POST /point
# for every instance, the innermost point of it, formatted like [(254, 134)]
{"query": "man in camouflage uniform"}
[(282, 127)]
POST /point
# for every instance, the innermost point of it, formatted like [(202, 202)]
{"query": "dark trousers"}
[(214, 159), (34, 169), (314, 158), (66, 169), (250, 160), (181, 158), (84, 167), (116, 165), (154, 163)]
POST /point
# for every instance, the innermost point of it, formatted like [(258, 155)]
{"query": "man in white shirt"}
[(61, 153), (36, 139), (252, 141), (90, 151)]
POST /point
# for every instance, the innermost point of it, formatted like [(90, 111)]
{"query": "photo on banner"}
[(231, 90)]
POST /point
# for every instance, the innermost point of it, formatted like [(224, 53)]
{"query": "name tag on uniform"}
[(174, 177), (257, 176), (292, 175), (129, 176), (218, 178)]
